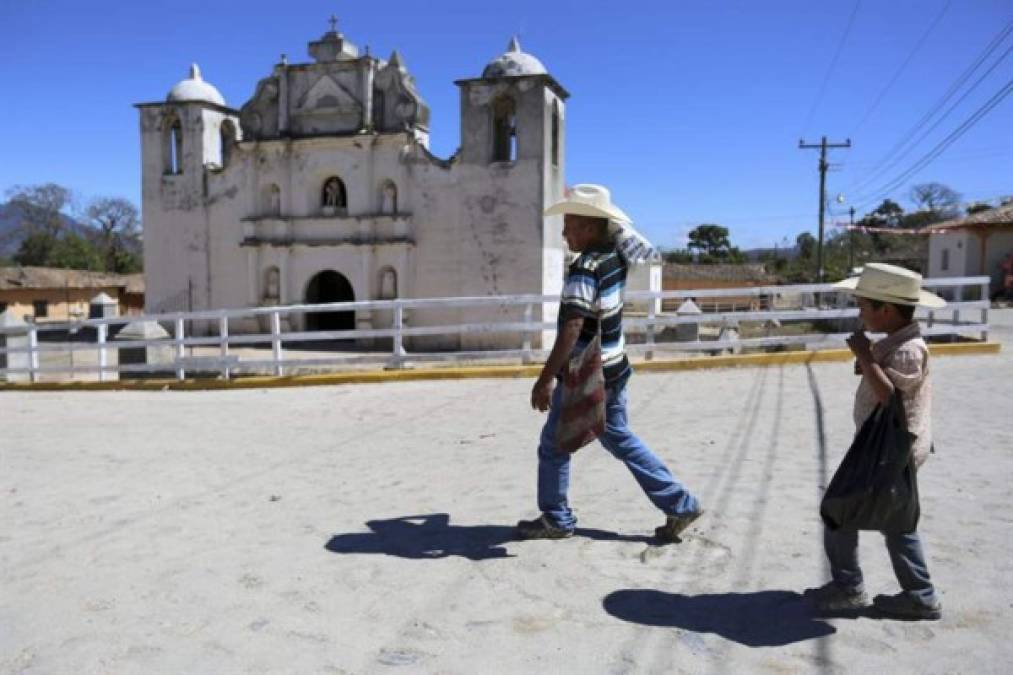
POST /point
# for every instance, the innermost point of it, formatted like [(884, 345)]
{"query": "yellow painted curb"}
[(475, 372)]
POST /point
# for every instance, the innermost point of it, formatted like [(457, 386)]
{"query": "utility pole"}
[(851, 241), (823, 145)]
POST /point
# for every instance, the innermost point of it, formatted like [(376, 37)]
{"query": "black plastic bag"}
[(875, 487)]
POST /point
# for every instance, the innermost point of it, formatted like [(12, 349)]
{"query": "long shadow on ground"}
[(759, 619), (432, 536)]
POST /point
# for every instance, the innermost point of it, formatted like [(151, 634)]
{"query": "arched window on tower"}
[(172, 145), (555, 133), (227, 133), (333, 197), (504, 129)]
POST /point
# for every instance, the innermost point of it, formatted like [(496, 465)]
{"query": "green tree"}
[(72, 251), (678, 255), (806, 245), (109, 242), (117, 239), (940, 200), (919, 219), (888, 214), (710, 241), (40, 208), (35, 249), (978, 207)]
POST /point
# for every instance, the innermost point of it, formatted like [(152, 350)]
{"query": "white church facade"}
[(321, 188)]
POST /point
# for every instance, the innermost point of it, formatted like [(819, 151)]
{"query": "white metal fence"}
[(21, 348)]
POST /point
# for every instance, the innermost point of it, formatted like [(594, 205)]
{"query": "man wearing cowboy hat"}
[(897, 364), (600, 233)]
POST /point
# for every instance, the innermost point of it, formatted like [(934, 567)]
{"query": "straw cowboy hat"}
[(889, 283), (586, 199)]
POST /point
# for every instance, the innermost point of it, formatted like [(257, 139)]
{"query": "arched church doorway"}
[(329, 286)]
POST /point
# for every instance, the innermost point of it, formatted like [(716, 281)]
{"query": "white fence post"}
[(649, 354), (529, 312), (103, 356), (180, 353), (276, 342), (397, 358), (984, 311), (223, 340), (33, 354)]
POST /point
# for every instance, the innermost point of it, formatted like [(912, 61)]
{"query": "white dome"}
[(513, 63), (195, 89)]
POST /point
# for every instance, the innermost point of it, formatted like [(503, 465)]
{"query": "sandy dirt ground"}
[(368, 529)]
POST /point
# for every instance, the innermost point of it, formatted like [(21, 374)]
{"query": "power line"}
[(969, 154), (896, 160), (946, 142), (830, 70), (903, 67), (926, 159), (950, 92)]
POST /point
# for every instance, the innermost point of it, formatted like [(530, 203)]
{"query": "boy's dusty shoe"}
[(905, 606), (831, 597), (675, 525), (541, 528)]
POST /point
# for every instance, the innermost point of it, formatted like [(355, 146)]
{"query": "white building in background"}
[(974, 245), (321, 188)]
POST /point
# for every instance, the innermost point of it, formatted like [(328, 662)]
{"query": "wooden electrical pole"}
[(822, 145)]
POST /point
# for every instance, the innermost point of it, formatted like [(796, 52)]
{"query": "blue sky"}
[(690, 112)]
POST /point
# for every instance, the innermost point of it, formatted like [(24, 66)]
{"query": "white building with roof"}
[(322, 188), (969, 246)]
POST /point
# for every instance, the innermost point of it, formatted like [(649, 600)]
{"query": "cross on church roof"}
[(334, 22)]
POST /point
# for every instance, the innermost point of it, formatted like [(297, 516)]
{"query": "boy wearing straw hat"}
[(899, 363), (600, 233)]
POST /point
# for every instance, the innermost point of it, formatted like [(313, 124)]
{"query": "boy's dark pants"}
[(905, 553)]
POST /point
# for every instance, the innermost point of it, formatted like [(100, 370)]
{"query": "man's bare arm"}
[(566, 338)]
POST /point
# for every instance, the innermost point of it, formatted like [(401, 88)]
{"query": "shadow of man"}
[(426, 537), (759, 619), (432, 536)]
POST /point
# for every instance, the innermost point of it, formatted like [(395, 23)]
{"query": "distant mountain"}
[(760, 254), (10, 228)]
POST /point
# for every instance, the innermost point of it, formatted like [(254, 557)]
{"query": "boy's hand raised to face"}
[(859, 345)]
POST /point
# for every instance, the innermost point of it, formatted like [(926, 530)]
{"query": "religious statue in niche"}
[(331, 193), (272, 287), (389, 205), (334, 198), (274, 202), (271, 297), (388, 284)]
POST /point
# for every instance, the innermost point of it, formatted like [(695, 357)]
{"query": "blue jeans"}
[(657, 482), (906, 554)]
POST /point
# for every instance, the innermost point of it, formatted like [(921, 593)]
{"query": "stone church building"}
[(322, 188)]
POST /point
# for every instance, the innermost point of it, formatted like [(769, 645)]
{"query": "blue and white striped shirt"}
[(594, 290)]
